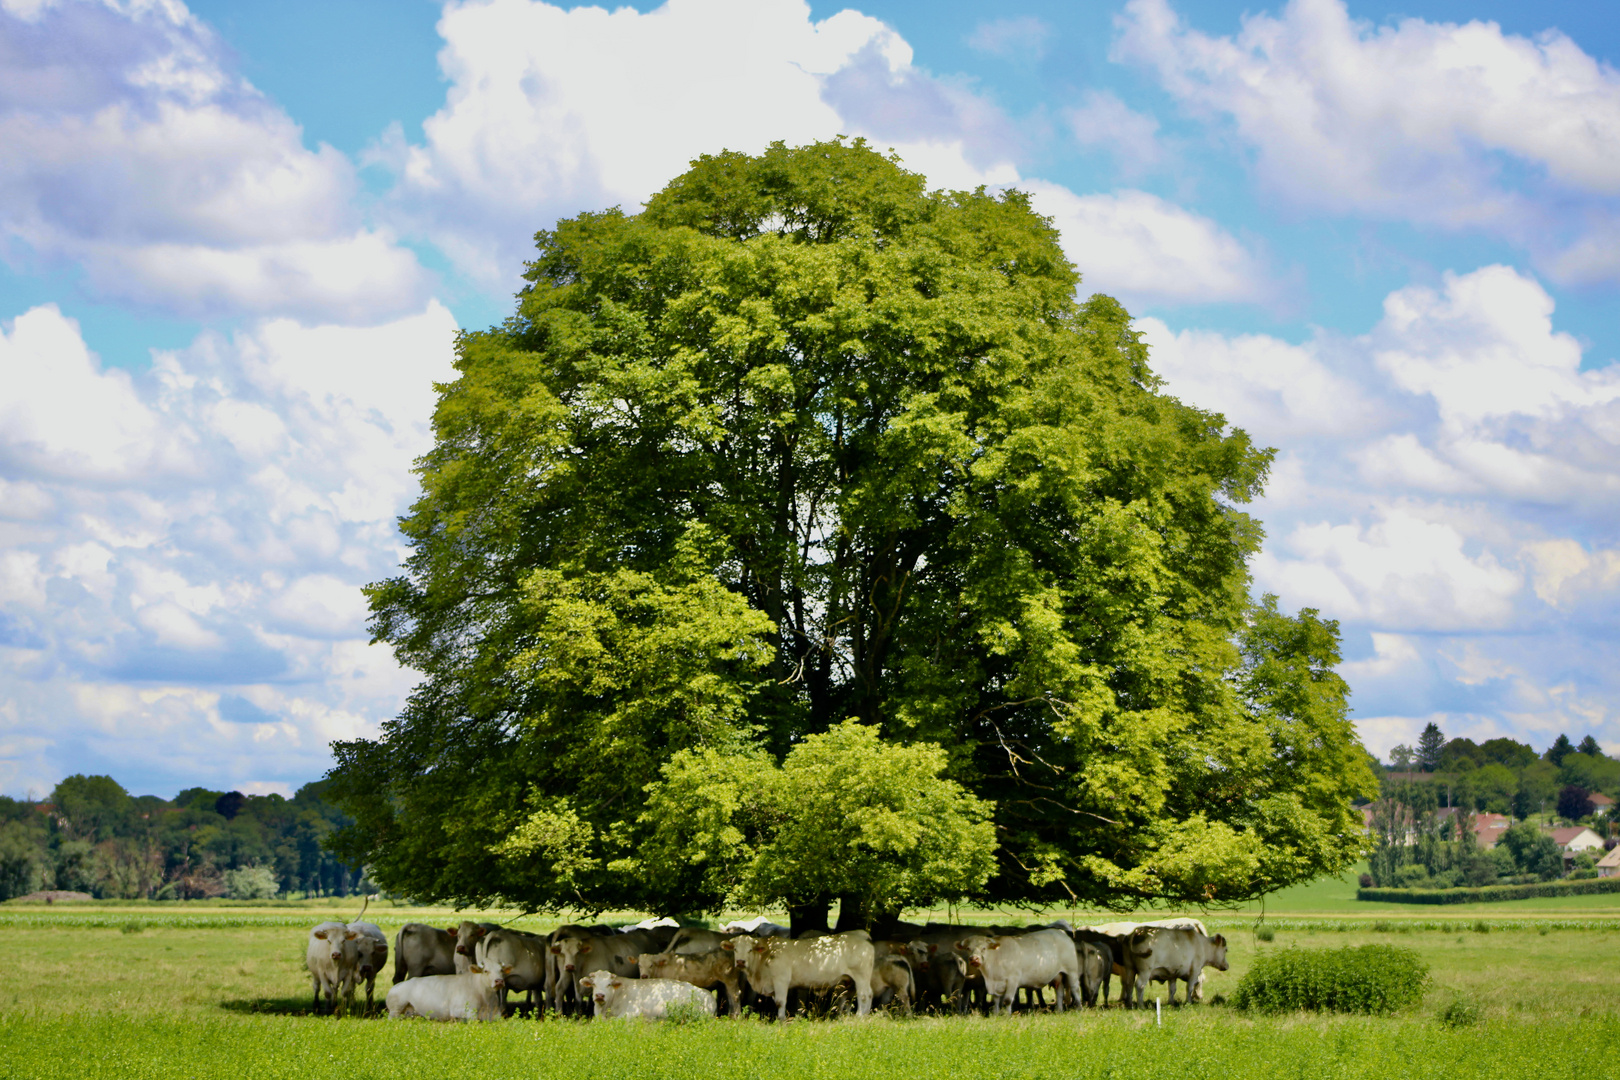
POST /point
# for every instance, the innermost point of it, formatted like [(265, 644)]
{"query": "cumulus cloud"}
[(1448, 493), (1414, 121), (1146, 250), (133, 151), (179, 583), (1102, 121), (553, 111)]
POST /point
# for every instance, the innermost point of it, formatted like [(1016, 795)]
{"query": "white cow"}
[(619, 998), (1009, 964), (707, 970), (758, 926), (330, 957), (1171, 953), (613, 952), (370, 958), (474, 995), (892, 981), (775, 966), (522, 956)]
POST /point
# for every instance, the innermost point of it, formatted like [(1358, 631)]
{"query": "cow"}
[(1171, 953), (1112, 946), (330, 957), (522, 957), (473, 995), (1031, 960), (694, 941), (420, 949), (775, 966), (468, 934), (611, 952), (758, 926), (657, 937), (892, 981), (560, 992), (619, 998), (1096, 969), (940, 973), (371, 956), (707, 970)]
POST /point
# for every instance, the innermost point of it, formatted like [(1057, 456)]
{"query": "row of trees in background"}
[(1502, 776), (1423, 823), (90, 835)]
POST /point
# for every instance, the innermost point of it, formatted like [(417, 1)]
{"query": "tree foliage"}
[(801, 443)]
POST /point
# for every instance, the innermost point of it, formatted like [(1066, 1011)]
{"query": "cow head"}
[(572, 951), (1217, 952), (973, 950)]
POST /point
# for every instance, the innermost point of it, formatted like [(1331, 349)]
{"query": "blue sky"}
[(236, 241)]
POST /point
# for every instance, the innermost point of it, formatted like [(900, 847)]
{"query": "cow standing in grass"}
[(330, 957), (420, 949), (370, 958), (1171, 953)]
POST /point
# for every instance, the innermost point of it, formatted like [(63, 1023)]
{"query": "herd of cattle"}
[(466, 972)]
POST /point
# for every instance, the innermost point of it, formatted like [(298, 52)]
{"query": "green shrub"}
[(1481, 926), (1365, 979), (1383, 926), (1460, 1012), (133, 926), (1266, 933)]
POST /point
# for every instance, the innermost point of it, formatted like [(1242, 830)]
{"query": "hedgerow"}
[(1369, 979), (1486, 894)]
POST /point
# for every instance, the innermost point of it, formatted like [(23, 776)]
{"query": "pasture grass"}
[(172, 1000)]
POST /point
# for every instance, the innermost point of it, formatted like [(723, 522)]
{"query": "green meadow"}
[(215, 990)]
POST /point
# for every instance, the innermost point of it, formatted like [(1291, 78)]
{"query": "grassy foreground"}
[(144, 995), (1191, 1044)]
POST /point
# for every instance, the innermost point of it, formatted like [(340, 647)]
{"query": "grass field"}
[(151, 994)]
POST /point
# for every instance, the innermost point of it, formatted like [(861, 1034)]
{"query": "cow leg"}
[(316, 1007)]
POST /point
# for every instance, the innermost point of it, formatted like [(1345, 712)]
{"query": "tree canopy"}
[(803, 444)]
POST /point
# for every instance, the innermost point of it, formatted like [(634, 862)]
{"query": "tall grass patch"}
[(1369, 979)]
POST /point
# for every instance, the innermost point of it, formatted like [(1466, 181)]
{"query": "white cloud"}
[(1412, 121), (61, 414), (1102, 121), (552, 111), (207, 600), (1279, 393), (1144, 250), (1401, 571), (1022, 37), (133, 151)]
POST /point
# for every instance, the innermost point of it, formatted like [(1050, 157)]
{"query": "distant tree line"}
[(90, 835), (1419, 845), (1502, 776)]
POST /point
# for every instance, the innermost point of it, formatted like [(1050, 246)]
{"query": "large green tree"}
[(804, 443)]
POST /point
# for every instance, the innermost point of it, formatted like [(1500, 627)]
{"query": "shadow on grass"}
[(294, 1006)]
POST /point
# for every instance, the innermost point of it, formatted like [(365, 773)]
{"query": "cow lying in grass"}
[(621, 998), (475, 995)]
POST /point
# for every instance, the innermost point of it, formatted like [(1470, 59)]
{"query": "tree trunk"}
[(811, 916), (851, 915)]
